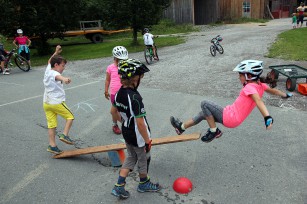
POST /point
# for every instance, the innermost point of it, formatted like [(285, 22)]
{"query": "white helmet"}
[(120, 52), (19, 31), (253, 67)]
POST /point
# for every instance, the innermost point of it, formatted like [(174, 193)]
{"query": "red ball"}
[(182, 185)]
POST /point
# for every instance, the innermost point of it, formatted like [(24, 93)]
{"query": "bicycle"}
[(149, 55), (216, 45), (20, 61)]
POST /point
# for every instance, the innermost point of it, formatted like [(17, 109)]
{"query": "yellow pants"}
[(53, 110)]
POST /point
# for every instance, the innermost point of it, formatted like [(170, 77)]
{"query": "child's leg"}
[(51, 133), (129, 163), (68, 125), (115, 115)]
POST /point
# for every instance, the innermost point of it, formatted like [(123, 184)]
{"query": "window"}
[(246, 9)]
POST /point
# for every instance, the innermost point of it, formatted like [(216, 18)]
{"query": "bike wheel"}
[(22, 63), (212, 50), (147, 56), (220, 49)]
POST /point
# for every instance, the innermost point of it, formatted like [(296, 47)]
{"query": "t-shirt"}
[(300, 10), (54, 91), (21, 40), (115, 84), (235, 114), (148, 39), (294, 19), (130, 105)]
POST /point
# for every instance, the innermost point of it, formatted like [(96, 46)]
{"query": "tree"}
[(134, 13), (45, 19)]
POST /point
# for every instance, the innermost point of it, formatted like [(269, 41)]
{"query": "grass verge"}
[(290, 45)]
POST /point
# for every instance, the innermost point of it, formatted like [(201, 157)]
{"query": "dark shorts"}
[(25, 55), (300, 19)]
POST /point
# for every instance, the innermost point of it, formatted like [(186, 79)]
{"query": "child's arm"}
[(57, 51), (143, 130), (106, 86), (278, 92), (268, 120), (66, 80)]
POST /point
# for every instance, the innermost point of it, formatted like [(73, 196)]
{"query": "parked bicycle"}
[(20, 61), (216, 45), (149, 55)]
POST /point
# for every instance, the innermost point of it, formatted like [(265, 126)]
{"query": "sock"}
[(213, 129), (182, 126), (121, 181), (144, 180), (114, 124)]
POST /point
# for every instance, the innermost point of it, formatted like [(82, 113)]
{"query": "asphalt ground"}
[(247, 164)]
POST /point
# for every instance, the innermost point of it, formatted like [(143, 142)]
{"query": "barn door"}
[(205, 11)]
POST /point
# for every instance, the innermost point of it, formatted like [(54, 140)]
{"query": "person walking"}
[(112, 83)]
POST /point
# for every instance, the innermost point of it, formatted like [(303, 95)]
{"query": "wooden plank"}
[(115, 147)]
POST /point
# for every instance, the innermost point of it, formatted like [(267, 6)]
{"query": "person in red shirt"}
[(22, 43), (300, 11)]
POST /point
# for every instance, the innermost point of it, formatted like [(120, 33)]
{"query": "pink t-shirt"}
[(115, 84), (235, 114), (21, 40)]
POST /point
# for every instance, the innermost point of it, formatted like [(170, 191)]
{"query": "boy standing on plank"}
[(54, 100)]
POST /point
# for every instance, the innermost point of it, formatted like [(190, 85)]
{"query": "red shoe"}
[(116, 130)]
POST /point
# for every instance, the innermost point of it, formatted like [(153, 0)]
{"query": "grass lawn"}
[(290, 45)]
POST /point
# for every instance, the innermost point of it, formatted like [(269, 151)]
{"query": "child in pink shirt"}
[(112, 82), (23, 43), (233, 115)]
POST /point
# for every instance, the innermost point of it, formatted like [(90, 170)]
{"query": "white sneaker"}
[(6, 72)]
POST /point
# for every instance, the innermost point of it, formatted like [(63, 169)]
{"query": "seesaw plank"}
[(115, 147)]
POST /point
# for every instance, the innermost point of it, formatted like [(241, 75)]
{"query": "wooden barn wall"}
[(181, 11), (224, 9)]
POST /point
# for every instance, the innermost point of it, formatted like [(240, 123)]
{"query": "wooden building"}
[(199, 12)]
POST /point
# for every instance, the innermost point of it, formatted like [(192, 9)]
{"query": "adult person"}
[(300, 11), (23, 43)]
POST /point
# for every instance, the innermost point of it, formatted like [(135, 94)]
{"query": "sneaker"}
[(176, 123), (54, 150), (148, 187), (120, 192), (209, 136), (65, 139), (6, 72), (116, 130)]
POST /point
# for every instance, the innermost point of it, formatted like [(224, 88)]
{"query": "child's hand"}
[(67, 80), (268, 120), (106, 95), (58, 49), (148, 147), (288, 95)]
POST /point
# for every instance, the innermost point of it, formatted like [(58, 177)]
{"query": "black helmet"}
[(131, 67), (146, 30)]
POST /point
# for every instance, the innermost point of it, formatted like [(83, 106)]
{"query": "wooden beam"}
[(115, 147)]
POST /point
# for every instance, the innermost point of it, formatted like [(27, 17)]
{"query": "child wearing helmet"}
[(233, 115), (135, 128), (23, 43), (148, 41), (112, 82)]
